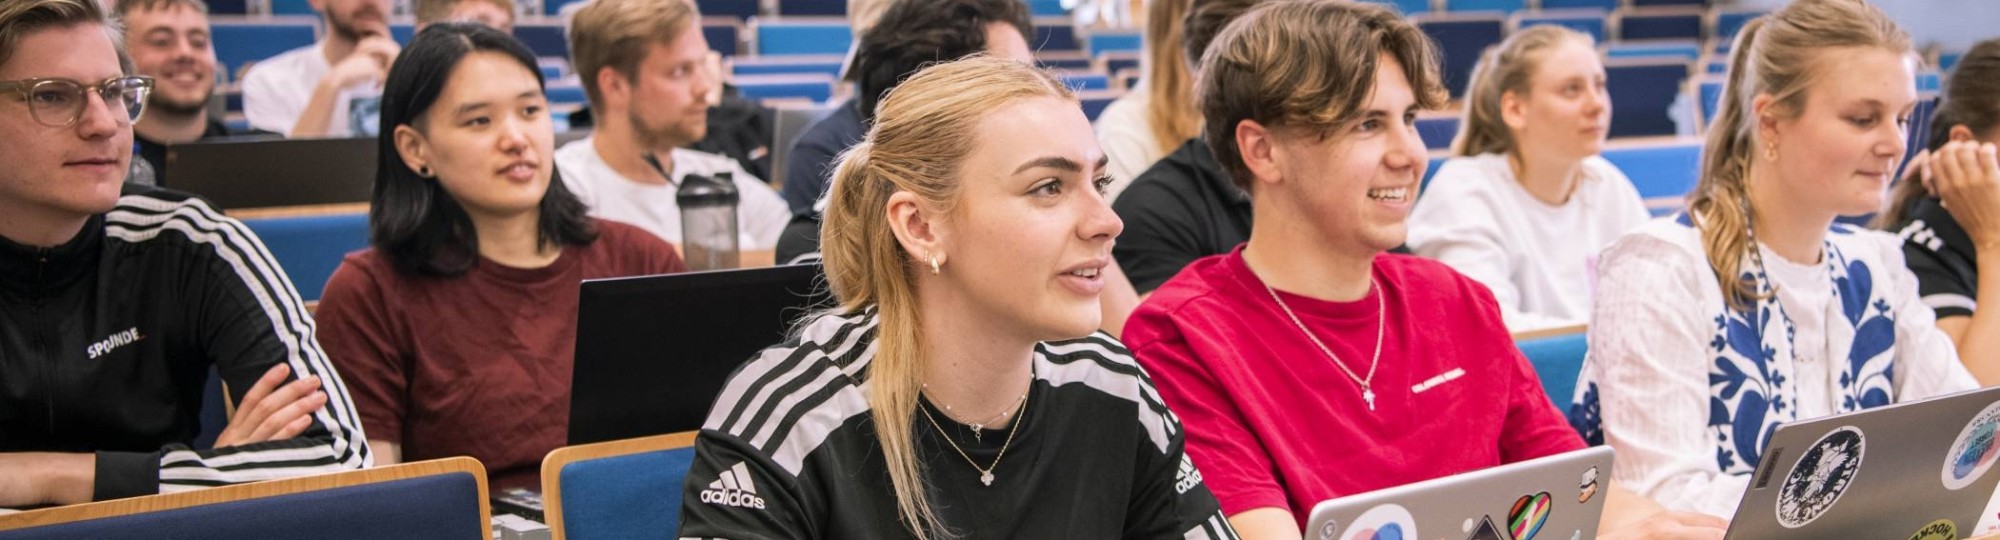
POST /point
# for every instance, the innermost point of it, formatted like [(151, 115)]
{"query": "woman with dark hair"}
[(1948, 230), (456, 330)]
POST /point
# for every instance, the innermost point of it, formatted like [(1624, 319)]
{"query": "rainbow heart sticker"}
[(1529, 514)]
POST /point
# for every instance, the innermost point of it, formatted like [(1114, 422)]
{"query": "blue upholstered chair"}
[(802, 35), (1586, 20), (240, 42), (1460, 39), (429, 500), (310, 247), (627, 489), (1644, 90), (1557, 356)]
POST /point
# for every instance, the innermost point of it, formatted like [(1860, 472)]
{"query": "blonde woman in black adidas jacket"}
[(114, 308), (959, 391)]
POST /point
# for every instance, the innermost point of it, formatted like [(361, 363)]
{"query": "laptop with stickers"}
[(1915, 470), (1556, 497)]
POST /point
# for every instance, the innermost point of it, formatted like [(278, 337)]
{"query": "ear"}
[(1261, 152), (918, 229), (1513, 110), (1763, 111), (412, 147), (614, 88), (1960, 133)]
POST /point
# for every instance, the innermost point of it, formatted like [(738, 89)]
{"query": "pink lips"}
[(520, 171), (1088, 285)]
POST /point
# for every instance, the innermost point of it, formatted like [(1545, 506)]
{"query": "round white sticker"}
[(1973, 451), (1820, 476)]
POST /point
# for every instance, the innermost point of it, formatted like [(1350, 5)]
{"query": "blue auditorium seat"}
[(1928, 81), (617, 490), (422, 500), (1460, 40), (1504, 6), (1055, 34), (1045, 8), (1710, 91), (1064, 60), (1095, 102), (1718, 66), (1430, 170), (240, 42), (546, 39), (1727, 23), (793, 8), (1694, 3), (1558, 361), (1642, 91), (724, 34), (1103, 41), (1666, 23), (1588, 21), (1086, 81), (309, 248), (1684, 50), (1948, 60), (1659, 170), (797, 86), (824, 64), (1408, 7), (802, 35), (1437, 131), (228, 7), (550, 73), (1118, 61), (1606, 5), (566, 94), (402, 33), (292, 7), (740, 9)]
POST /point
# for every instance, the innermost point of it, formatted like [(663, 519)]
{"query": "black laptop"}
[(256, 172), (653, 352)]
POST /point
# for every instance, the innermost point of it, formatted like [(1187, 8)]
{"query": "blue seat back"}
[(1728, 23), (1711, 97), (1588, 21), (1676, 25), (1659, 171), (1558, 360), (1643, 93), (543, 38), (1685, 50), (824, 36), (740, 9), (723, 38), (309, 248), (1460, 41), (1105, 41), (1408, 7), (815, 88), (1430, 171), (1086, 81), (1055, 35), (1116, 63), (1094, 104), (1504, 6), (292, 7), (1437, 131), (1606, 5), (239, 43), (633, 496), (1649, 3), (830, 8), (1949, 59), (444, 506)]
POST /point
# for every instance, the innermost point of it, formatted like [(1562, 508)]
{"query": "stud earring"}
[(934, 264), (424, 171)]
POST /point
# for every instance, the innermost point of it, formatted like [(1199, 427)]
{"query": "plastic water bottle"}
[(708, 221)]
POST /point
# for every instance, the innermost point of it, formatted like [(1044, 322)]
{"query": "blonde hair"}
[(1308, 66), (436, 11), (922, 134), (617, 33), (1169, 83), (1776, 55), (1506, 67), (18, 18)]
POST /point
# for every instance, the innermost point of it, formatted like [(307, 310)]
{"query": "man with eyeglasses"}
[(168, 40), (113, 309)]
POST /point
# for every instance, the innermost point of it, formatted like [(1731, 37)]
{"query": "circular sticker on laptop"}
[(1385, 522), (1943, 529), (1973, 452), (1820, 476)]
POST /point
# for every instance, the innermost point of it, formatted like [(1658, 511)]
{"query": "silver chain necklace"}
[(1367, 392), (985, 473)]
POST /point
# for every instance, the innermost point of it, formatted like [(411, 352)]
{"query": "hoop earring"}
[(934, 264)]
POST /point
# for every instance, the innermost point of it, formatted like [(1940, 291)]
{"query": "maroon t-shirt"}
[(1272, 422), (473, 365)]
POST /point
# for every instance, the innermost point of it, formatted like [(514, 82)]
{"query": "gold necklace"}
[(980, 426), (985, 473)]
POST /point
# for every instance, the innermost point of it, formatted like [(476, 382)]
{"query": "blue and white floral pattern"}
[(1751, 369)]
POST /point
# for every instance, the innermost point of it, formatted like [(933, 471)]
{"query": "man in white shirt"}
[(495, 14), (313, 91), (642, 64)]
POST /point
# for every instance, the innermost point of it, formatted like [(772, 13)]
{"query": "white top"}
[(276, 90), (1537, 258), (1656, 319), (760, 213), (1126, 135)]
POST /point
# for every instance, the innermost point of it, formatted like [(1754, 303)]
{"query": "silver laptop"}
[(1556, 497), (1911, 470)]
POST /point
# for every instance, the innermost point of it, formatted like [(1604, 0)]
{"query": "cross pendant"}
[(1368, 395), (986, 477)]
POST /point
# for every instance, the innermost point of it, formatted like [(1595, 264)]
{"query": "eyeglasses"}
[(59, 103)]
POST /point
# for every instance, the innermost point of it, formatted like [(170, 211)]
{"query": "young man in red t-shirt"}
[(1309, 364)]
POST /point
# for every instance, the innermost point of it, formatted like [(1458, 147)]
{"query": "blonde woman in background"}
[(1525, 203), (1158, 115), (1755, 308), (958, 390)]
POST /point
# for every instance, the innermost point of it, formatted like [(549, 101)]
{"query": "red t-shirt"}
[(473, 365), (1271, 422)]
